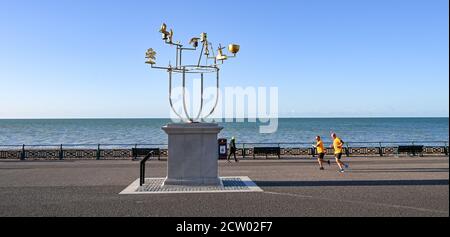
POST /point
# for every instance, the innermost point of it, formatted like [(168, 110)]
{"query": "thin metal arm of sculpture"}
[(201, 54), (172, 43), (180, 54), (158, 67)]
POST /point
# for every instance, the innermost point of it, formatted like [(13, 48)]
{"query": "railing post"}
[(135, 152), (446, 148), (61, 152), (243, 150), (98, 152), (22, 154), (159, 153), (279, 150), (381, 150)]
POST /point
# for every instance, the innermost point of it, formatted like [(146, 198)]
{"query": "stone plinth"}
[(193, 154)]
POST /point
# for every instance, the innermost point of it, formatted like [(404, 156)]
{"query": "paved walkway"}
[(372, 187)]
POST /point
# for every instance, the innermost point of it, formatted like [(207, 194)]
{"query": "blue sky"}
[(84, 58)]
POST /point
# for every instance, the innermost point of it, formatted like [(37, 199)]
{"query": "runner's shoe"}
[(341, 171)]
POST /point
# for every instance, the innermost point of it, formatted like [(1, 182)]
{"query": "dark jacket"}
[(232, 145)]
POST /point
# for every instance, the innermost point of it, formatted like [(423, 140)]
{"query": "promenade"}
[(374, 186)]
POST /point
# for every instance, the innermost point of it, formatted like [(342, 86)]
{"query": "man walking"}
[(321, 152), (232, 150), (338, 146)]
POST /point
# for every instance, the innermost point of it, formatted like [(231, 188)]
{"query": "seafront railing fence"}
[(365, 148), (73, 151), (244, 150)]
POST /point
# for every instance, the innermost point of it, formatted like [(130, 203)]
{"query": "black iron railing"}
[(120, 151)]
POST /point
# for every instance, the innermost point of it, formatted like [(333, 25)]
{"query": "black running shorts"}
[(321, 156)]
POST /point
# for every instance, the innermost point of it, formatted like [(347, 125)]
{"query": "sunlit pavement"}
[(390, 186)]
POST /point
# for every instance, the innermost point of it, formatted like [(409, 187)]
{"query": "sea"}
[(290, 130)]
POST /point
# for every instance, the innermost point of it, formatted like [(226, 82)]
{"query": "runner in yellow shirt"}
[(338, 146), (321, 151)]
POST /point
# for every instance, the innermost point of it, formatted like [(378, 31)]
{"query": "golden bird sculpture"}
[(204, 37), (171, 36), (194, 42), (164, 32), (163, 28)]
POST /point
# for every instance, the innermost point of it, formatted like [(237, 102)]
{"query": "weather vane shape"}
[(210, 65)]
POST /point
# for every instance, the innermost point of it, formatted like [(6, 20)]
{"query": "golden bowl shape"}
[(234, 48)]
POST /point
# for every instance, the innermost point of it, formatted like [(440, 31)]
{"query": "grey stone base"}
[(193, 153), (227, 184), (193, 182)]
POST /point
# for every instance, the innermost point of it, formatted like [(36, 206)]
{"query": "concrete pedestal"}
[(193, 154)]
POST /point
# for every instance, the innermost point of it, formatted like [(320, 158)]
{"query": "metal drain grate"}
[(229, 184)]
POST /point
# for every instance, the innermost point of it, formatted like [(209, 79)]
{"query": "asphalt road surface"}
[(371, 187)]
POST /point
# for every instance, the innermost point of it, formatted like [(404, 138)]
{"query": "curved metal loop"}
[(170, 96), (201, 99), (184, 97), (188, 118), (217, 96)]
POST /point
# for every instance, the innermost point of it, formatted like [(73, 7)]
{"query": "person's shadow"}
[(432, 182), (402, 170)]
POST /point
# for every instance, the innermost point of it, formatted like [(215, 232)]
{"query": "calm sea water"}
[(148, 131)]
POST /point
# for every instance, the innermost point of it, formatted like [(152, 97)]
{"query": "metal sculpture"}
[(207, 52)]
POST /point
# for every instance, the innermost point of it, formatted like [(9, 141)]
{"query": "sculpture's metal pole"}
[(170, 96), (201, 98), (184, 96), (217, 95), (181, 52), (176, 64), (201, 54)]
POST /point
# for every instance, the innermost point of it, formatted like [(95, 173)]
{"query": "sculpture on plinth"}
[(193, 146)]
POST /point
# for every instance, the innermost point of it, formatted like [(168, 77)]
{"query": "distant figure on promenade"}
[(321, 151), (232, 150), (338, 146)]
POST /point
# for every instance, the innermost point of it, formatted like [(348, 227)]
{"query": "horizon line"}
[(309, 117)]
